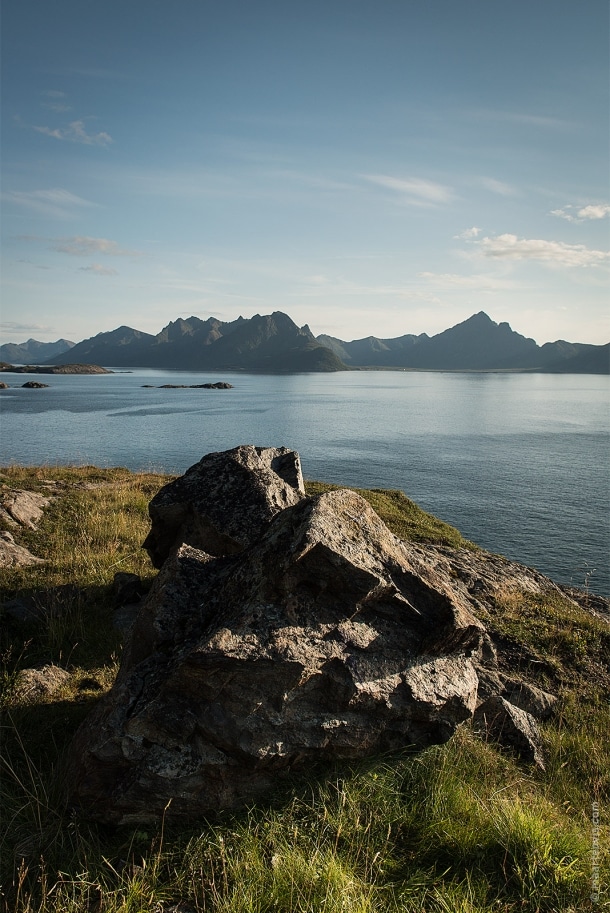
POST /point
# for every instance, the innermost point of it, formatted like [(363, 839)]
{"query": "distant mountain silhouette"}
[(476, 344), (587, 360), (387, 353), (261, 344), (273, 343), (32, 351)]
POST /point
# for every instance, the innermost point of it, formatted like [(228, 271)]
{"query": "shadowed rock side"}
[(327, 638), (223, 502)]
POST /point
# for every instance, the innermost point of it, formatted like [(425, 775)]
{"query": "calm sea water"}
[(519, 463)]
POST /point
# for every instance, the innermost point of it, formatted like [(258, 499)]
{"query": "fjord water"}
[(518, 462)]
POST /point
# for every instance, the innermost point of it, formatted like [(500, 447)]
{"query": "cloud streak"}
[(457, 281), (416, 191), (10, 325), (75, 132), (499, 187), (83, 246), (55, 202), (98, 270), (510, 247)]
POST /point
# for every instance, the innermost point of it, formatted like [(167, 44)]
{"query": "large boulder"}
[(326, 637), (223, 502)]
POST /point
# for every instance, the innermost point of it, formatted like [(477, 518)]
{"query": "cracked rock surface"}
[(281, 631)]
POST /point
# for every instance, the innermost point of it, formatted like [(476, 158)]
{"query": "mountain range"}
[(32, 352), (273, 343)]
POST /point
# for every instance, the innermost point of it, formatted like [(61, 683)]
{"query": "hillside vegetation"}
[(458, 828)]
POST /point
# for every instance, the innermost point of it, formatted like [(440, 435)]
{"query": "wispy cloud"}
[(456, 281), (510, 247), (415, 191), (10, 325), (82, 246), (468, 234), (75, 132), (35, 265), (522, 117), (499, 187), (315, 286), (98, 269), (56, 106), (586, 213), (55, 202)]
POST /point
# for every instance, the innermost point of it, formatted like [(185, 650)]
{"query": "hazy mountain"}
[(371, 351), (272, 343), (32, 351), (587, 360), (120, 348)]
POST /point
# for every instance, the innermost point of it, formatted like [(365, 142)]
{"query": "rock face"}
[(19, 508), (13, 555), (23, 507), (512, 727), (281, 631), (326, 637), (223, 502)]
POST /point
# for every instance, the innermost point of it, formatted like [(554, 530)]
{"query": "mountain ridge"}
[(273, 343), (33, 350)]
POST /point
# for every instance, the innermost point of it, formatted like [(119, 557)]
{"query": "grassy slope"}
[(459, 827)]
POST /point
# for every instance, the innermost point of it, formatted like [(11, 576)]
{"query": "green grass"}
[(402, 516), (458, 828)]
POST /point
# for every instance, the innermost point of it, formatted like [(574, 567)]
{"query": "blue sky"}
[(377, 168)]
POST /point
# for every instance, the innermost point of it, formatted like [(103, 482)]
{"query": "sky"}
[(369, 167)]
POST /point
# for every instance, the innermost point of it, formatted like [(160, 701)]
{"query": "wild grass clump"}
[(457, 828)]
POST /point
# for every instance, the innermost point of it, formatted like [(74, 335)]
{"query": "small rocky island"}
[(53, 369), (218, 385)]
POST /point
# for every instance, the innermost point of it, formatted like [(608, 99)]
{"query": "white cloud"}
[(82, 246), (54, 93), (594, 211), (416, 191), (510, 247), (564, 214), (468, 234), (98, 269), (75, 133), (55, 202), (586, 213)]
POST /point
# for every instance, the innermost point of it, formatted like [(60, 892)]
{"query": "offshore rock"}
[(224, 502), (326, 638)]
